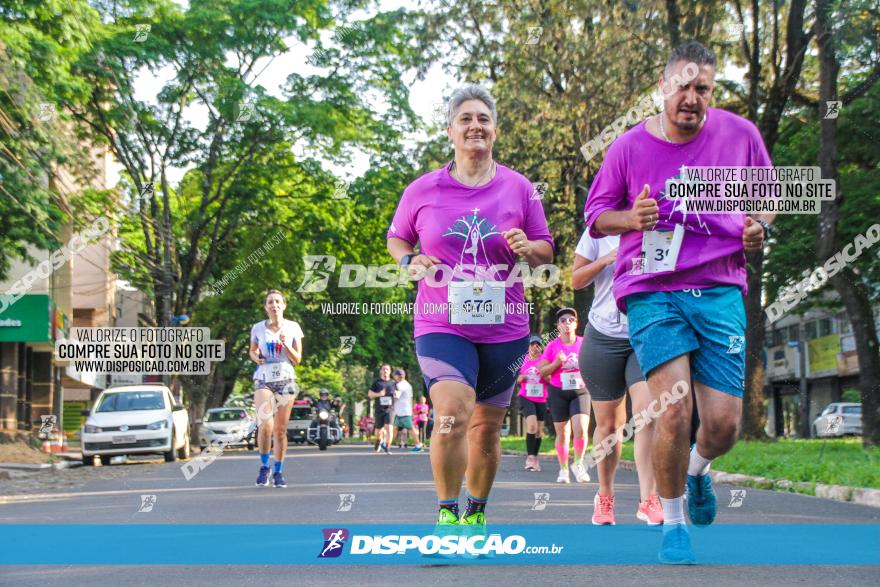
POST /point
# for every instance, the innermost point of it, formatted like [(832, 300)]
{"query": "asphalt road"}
[(394, 489)]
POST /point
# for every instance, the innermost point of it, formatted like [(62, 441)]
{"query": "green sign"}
[(73, 418), (27, 320)]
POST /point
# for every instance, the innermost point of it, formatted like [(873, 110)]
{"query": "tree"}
[(853, 291), (43, 169), (239, 162)]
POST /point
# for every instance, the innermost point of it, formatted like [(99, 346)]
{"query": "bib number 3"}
[(660, 249)]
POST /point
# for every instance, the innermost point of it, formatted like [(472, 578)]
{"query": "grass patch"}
[(837, 461)]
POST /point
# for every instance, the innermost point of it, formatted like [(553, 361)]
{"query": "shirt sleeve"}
[(403, 225), (608, 191), (536, 228), (376, 387), (758, 151), (587, 247), (255, 339), (296, 330)]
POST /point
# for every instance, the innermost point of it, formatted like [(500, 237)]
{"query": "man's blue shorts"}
[(710, 324)]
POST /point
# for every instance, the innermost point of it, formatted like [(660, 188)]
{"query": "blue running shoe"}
[(416, 449), (676, 549), (263, 478), (278, 480), (702, 504)]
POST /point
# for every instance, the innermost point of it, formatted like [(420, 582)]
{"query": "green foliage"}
[(791, 256), (40, 41), (851, 395)]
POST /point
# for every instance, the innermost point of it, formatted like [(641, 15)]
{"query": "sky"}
[(423, 93)]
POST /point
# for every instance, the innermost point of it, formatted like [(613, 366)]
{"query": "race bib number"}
[(534, 390), (385, 401), (572, 380), (476, 302), (275, 372), (660, 249)]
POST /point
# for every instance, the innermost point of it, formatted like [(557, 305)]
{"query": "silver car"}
[(226, 426), (838, 419)]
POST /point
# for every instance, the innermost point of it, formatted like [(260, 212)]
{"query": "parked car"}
[(226, 426), (838, 419), (135, 419), (300, 418)]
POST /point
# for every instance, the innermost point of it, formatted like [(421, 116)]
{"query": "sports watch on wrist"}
[(406, 259), (766, 226)]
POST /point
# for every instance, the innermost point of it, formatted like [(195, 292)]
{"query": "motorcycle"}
[(324, 429)]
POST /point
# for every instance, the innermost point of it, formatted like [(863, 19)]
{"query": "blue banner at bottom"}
[(207, 544)]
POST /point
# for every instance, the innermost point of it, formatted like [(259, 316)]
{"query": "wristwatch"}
[(766, 227), (406, 259)]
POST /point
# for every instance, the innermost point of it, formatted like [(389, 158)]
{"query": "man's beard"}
[(690, 126)]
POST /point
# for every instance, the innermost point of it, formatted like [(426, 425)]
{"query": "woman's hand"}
[(610, 258), (518, 242), (420, 264)]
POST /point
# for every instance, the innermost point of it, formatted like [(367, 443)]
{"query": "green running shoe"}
[(447, 518), (475, 519)]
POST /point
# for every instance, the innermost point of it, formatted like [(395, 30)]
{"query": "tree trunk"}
[(754, 418), (673, 25), (848, 285)]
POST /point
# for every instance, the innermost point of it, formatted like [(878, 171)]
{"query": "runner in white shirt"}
[(403, 410), (276, 346), (609, 367)]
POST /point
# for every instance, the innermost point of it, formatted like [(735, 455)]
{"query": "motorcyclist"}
[(333, 407), (324, 402)]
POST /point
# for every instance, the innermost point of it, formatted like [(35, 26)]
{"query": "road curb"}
[(40, 467), (858, 495)]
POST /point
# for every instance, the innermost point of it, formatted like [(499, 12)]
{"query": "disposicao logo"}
[(334, 540), (472, 545)]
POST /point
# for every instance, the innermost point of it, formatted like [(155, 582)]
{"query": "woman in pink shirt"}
[(568, 396), (532, 402), (420, 417), (472, 221)]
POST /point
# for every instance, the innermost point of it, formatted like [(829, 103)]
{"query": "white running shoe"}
[(563, 476), (580, 473)]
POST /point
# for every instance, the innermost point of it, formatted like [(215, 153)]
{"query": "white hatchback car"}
[(838, 419), (226, 427), (135, 419)]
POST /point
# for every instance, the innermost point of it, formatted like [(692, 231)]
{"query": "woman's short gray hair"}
[(470, 92)]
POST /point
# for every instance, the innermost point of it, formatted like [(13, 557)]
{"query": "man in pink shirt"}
[(680, 277)]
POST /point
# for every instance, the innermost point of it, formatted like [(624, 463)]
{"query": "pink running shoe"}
[(650, 511), (603, 510)]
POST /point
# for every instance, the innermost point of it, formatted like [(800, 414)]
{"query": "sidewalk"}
[(858, 495)]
